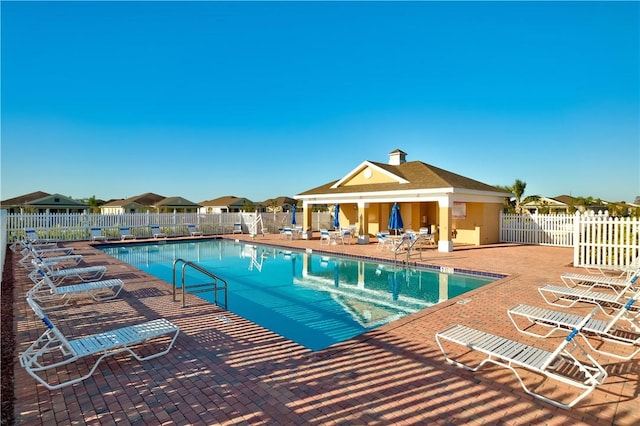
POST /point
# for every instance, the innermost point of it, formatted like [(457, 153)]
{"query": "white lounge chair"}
[(66, 259), (560, 365), (97, 235), (193, 231), (525, 318), (125, 233), (32, 237), (30, 252), (45, 292), (593, 281), (156, 232), (237, 228), (53, 350), (564, 296), (616, 271), (58, 275)]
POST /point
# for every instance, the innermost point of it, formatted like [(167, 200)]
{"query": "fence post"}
[(577, 224)]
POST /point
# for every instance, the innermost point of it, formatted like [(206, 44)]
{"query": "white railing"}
[(77, 226), (597, 239)]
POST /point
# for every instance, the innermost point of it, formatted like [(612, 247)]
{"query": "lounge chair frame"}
[(52, 349), (594, 281), (193, 231), (97, 235), (156, 232), (45, 292), (511, 354), (567, 297), (525, 318), (52, 256), (125, 233), (86, 274)]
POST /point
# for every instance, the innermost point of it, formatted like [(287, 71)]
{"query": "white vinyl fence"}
[(597, 239), (77, 226)]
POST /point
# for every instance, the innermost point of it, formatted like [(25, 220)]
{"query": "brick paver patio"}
[(227, 370)]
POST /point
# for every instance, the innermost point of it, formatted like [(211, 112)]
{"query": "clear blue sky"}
[(258, 100)]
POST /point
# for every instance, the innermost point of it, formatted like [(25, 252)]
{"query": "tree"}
[(517, 189), (93, 204)]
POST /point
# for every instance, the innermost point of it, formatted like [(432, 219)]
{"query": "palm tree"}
[(518, 191)]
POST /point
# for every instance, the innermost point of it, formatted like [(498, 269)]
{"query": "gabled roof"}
[(24, 199), (56, 200), (412, 175), (176, 202), (223, 201), (147, 199), (280, 201)]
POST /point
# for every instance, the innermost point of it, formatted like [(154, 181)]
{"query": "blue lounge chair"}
[(156, 232), (193, 231), (97, 235), (125, 233)]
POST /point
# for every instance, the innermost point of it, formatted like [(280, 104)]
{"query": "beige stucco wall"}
[(481, 225)]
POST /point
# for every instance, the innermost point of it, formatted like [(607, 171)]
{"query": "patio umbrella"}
[(395, 221), (336, 217), (293, 214)]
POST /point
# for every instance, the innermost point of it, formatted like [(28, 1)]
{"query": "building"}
[(461, 209), (149, 203), (225, 204), (562, 204), (42, 202)]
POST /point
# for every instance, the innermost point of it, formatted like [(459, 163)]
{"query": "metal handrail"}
[(216, 280)]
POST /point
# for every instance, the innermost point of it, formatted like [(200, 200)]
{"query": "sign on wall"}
[(459, 210)]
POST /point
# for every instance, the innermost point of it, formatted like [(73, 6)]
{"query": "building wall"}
[(480, 226)]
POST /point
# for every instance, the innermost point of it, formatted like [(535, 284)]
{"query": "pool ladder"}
[(217, 285)]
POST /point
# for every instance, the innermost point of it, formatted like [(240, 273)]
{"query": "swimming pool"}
[(314, 299)]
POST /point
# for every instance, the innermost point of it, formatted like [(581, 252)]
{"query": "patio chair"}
[(125, 233), (156, 232), (325, 236), (525, 318), (592, 281), (567, 297), (561, 365), (31, 238), (58, 275), (97, 235), (193, 231), (383, 240), (237, 228), (45, 292), (286, 233), (53, 350)]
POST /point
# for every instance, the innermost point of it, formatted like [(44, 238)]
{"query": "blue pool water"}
[(313, 299)]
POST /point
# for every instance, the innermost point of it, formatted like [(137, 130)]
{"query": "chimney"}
[(397, 157)]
